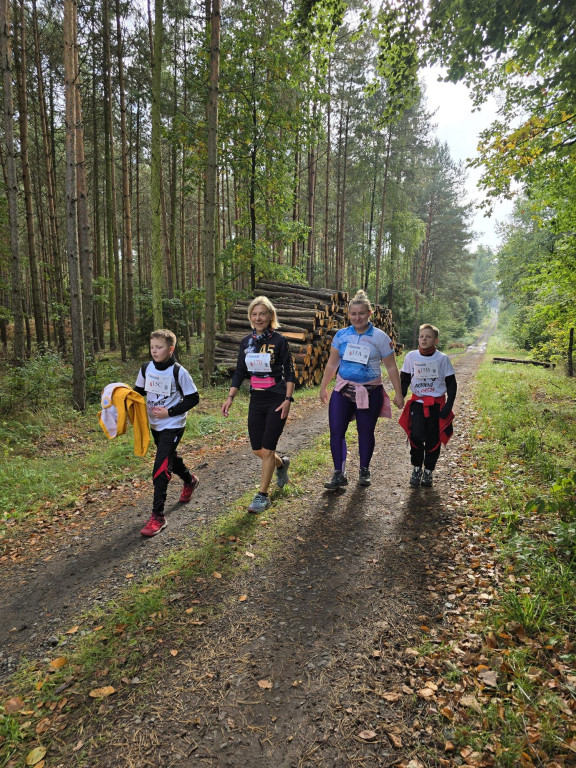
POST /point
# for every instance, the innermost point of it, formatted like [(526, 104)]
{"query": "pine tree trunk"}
[(210, 191), (12, 182), (53, 238), (156, 168), (70, 78), (23, 118), (127, 252), (380, 240), (84, 233)]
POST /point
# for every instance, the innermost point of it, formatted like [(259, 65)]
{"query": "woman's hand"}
[(226, 405)]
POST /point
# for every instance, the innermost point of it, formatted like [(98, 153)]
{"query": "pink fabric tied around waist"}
[(362, 400), (262, 382)]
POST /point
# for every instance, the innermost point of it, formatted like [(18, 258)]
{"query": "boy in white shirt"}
[(170, 393), (427, 417)]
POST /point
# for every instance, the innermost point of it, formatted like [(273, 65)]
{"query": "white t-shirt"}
[(428, 373), (161, 391)]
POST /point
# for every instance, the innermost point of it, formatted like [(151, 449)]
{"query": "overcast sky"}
[(459, 127)]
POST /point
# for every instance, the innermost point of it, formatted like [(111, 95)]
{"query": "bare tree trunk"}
[(12, 183), (296, 200), (570, 350), (312, 174), (84, 233), (70, 77), (53, 238), (327, 180), (421, 272), (382, 217), (27, 183), (210, 193), (111, 230), (156, 168), (127, 253)]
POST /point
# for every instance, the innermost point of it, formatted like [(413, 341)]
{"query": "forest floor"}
[(307, 657)]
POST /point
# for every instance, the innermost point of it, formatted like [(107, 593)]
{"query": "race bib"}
[(356, 353), (426, 370), (258, 362), (158, 383)]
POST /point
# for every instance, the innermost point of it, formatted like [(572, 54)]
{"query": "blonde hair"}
[(360, 298), (265, 301), (165, 335), (427, 326)]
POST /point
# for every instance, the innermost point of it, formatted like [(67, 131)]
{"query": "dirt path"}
[(84, 561), (315, 667)]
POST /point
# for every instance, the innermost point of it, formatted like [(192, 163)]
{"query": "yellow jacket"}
[(117, 400)]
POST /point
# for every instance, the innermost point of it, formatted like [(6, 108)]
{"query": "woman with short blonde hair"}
[(264, 357)]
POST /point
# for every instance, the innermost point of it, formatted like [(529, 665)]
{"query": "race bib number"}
[(258, 362), (426, 370), (157, 383), (356, 353)]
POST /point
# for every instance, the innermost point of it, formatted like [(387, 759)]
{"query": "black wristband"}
[(290, 399)]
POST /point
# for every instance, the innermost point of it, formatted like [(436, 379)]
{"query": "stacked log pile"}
[(309, 318)]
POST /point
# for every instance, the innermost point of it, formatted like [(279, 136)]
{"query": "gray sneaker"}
[(259, 503), (364, 477), (416, 477), (427, 479), (339, 480), (282, 472)]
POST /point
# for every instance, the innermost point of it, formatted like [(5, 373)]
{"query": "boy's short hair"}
[(427, 326), (265, 301), (165, 335)]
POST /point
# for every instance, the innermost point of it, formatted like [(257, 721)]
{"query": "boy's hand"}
[(226, 405), (160, 412)]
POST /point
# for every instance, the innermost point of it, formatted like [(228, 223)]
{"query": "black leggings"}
[(264, 423), (166, 462)]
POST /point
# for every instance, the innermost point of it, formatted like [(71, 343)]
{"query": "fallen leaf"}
[(367, 735), (242, 598), (189, 610), (72, 631), (34, 757), (58, 663), (174, 652), (391, 696), (266, 684), (426, 693), (489, 677), (129, 576), (396, 740), (43, 725), (249, 554), (101, 693), (217, 575), (15, 704)]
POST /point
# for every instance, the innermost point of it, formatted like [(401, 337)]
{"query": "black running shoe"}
[(364, 477), (339, 480)]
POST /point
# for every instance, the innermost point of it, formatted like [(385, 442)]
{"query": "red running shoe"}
[(188, 490), (154, 526)]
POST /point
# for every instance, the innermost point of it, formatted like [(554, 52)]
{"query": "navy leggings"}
[(341, 411)]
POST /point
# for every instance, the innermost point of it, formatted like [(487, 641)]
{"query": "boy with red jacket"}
[(427, 417)]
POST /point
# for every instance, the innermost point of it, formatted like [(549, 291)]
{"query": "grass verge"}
[(508, 687)]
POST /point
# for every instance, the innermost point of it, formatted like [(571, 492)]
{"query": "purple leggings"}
[(341, 411)]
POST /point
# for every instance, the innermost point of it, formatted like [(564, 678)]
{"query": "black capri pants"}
[(264, 423)]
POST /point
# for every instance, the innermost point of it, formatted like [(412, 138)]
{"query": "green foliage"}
[(41, 381)]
